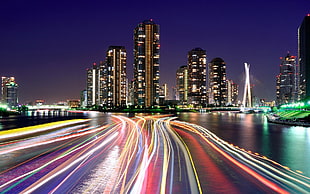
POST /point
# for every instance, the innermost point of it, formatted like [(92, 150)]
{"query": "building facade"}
[(286, 81), (74, 103), (115, 77), (83, 98), (9, 91), (164, 91), (107, 82), (146, 64), (131, 93), (217, 82), (232, 92), (197, 89), (94, 85), (182, 84), (304, 58)]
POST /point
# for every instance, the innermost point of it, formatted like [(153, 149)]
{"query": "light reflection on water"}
[(288, 145), (100, 177)]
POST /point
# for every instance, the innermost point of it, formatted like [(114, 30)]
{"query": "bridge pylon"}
[(247, 96)]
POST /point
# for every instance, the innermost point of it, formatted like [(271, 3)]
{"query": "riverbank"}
[(292, 117), (6, 113)]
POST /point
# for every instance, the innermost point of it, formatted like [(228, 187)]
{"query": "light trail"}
[(146, 154), (23, 177), (234, 154), (31, 130), (51, 176)]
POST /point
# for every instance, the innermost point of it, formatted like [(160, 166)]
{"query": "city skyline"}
[(47, 46)]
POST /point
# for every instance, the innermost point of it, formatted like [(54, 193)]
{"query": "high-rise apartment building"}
[(197, 90), (286, 84), (83, 98), (9, 91), (232, 92), (94, 85), (163, 94), (106, 82), (146, 64), (277, 88), (217, 82), (115, 77), (304, 58), (131, 93), (165, 91), (182, 84)]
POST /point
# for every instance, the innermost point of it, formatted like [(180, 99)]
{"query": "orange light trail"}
[(144, 154)]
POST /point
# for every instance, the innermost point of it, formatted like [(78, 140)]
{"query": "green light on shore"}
[(3, 106), (296, 105)]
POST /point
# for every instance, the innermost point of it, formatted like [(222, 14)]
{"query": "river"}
[(287, 145)]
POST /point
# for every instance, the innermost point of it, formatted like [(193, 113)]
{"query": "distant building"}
[(232, 93), (115, 77), (287, 86), (127, 91), (106, 83), (94, 86), (146, 64), (9, 91), (197, 89), (39, 102), (255, 101), (165, 91), (217, 82), (83, 98), (61, 103), (304, 57), (175, 94), (163, 94), (131, 93), (182, 84), (277, 87), (270, 104), (73, 103)]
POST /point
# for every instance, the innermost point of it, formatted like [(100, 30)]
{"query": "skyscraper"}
[(277, 88), (115, 76), (146, 64), (94, 85), (197, 76), (106, 82), (232, 92), (165, 91), (217, 82), (9, 91), (287, 91), (163, 94), (304, 57), (131, 93), (182, 84)]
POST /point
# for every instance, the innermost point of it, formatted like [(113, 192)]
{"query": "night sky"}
[(47, 45)]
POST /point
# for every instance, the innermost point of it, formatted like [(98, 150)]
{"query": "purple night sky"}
[(47, 45)]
